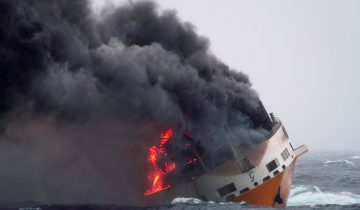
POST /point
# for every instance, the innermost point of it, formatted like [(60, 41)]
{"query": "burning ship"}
[(64, 68), (261, 175)]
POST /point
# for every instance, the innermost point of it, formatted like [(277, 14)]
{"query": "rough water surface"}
[(322, 180)]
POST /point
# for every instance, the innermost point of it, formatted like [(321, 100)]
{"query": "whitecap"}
[(340, 162), (186, 200), (198, 201), (312, 196), (355, 157)]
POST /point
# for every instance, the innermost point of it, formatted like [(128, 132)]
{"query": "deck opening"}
[(226, 189), (266, 178), (230, 198), (203, 198), (276, 172), (244, 190), (272, 165)]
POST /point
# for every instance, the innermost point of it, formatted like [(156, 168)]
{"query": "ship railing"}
[(300, 150)]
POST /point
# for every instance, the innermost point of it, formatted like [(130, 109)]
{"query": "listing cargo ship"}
[(261, 176)]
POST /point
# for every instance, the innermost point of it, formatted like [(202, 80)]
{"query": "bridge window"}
[(285, 154)]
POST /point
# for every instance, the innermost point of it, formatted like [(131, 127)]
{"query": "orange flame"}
[(156, 174), (191, 161), (165, 137)]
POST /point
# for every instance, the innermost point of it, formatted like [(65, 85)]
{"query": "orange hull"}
[(273, 193)]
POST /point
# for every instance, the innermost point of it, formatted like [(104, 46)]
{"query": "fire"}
[(191, 161), (165, 137), (169, 166), (156, 173), (152, 155)]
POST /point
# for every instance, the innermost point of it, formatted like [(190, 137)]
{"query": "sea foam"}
[(340, 162), (186, 200), (312, 196)]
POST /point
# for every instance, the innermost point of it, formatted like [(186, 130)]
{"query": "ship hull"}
[(261, 177), (274, 192)]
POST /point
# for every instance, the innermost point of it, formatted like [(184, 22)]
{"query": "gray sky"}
[(303, 57)]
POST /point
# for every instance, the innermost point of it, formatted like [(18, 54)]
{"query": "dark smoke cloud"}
[(80, 95)]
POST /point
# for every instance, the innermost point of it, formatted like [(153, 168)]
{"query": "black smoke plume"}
[(82, 97)]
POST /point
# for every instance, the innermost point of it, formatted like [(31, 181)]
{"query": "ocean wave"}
[(347, 179), (194, 203), (355, 157), (312, 196), (340, 162), (186, 200), (181, 200)]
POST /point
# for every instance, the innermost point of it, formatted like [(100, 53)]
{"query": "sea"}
[(322, 180)]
